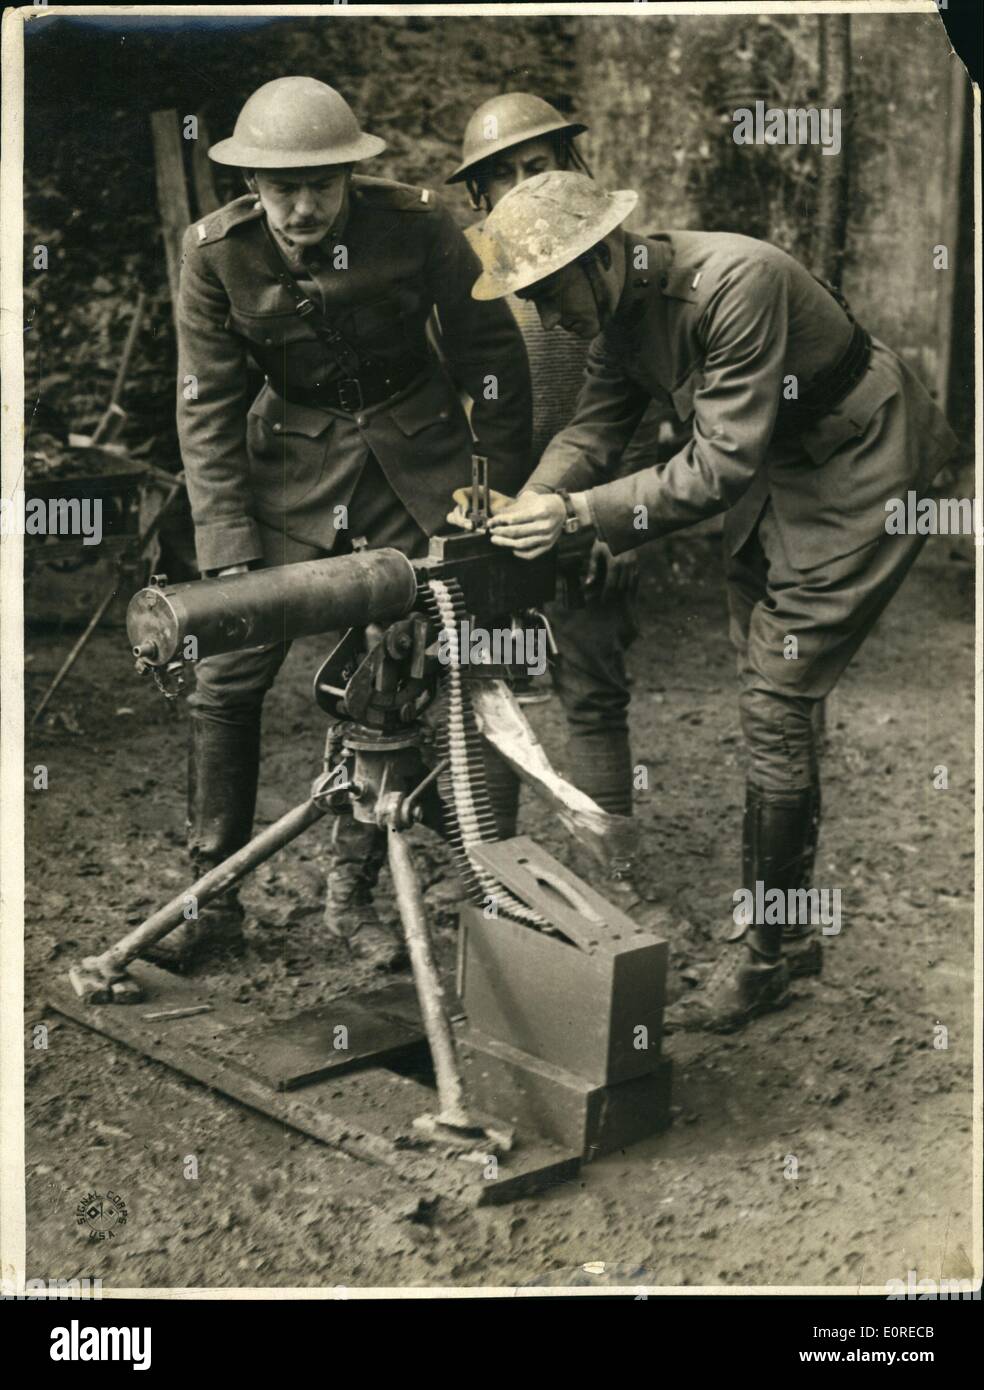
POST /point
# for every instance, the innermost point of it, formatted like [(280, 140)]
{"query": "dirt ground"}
[(850, 1081)]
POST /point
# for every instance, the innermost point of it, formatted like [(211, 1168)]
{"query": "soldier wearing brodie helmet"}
[(512, 137), (325, 279), (723, 323), (508, 139)]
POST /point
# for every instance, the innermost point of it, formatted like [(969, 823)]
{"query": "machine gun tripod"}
[(412, 724)]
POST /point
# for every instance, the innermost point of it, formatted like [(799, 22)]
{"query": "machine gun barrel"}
[(269, 605)]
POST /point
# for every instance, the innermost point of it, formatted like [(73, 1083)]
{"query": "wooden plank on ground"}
[(367, 1114), (324, 1041)]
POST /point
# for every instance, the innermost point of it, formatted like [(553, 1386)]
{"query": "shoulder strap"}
[(345, 355)]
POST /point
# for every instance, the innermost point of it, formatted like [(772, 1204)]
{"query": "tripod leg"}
[(429, 992), (93, 980)]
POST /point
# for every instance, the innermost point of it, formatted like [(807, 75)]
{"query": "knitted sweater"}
[(557, 369)]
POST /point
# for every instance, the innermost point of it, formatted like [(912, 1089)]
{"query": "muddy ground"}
[(850, 1081)]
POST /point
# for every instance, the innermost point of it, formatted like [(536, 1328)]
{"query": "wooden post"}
[(172, 194), (834, 172), (202, 173), (950, 237)]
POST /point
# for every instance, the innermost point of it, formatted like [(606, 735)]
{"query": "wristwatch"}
[(572, 522)]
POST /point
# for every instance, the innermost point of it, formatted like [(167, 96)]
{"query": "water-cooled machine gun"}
[(557, 986)]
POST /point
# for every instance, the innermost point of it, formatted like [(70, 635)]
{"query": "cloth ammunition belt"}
[(373, 383)]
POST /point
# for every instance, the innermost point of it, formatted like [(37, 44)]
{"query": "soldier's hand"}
[(462, 496), (612, 574), (531, 525)]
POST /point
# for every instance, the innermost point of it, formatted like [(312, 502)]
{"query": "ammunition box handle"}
[(567, 892)]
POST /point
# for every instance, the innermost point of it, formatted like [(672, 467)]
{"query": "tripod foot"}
[(94, 984), (467, 1137)]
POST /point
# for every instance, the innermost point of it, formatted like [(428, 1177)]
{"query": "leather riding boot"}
[(223, 770), (779, 850), (779, 842), (621, 885), (352, 863), (743, 984)]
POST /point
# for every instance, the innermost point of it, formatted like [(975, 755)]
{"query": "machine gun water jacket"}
[(288, 460)]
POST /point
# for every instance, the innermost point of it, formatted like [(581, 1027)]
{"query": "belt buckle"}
[(350, 394)]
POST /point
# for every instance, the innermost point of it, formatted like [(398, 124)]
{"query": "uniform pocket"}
[(283, 346), (432, 403), (288, 448), (849, 420), (379, 329)]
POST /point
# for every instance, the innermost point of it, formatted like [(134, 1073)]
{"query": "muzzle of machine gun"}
[(386, 680), (207, 617)]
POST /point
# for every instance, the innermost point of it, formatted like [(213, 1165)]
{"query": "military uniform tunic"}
[(734, 332), (278, 479), (589, 676), (287, 464)]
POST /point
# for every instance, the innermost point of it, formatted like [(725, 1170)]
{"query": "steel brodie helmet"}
[(296, 123), (542, 225), (507, 120)]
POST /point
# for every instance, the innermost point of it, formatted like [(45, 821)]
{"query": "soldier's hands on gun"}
[(530, 523), (461, 514), (531, 527)]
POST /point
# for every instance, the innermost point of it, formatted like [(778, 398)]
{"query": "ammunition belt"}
[(463, 784)]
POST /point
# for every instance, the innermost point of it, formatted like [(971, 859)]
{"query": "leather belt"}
[(827, 390), (376, 382)]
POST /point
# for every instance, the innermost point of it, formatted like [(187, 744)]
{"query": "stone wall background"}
[(659, 94)]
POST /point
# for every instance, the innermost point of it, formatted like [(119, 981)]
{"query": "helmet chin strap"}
[(477, 196), (340, 214)]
